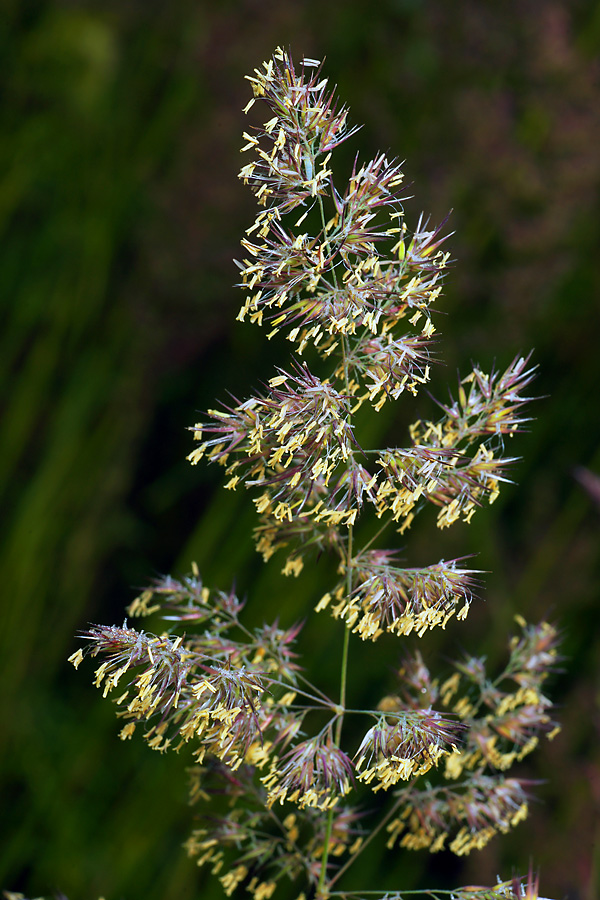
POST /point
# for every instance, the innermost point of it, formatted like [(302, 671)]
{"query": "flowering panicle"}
[(387, 366), (188, 600), (404, 748), (230, 698), (243, 839), (449, 479), (518, 888), (345, 288), (503, 722), (165, 666), (192, 698), (472, 811), (492, 407), (335, 281), (336, 269), (250, 843), (299, 432), (387, 598), (314, 772), (307, 124)]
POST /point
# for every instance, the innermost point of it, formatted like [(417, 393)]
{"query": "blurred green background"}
[(120, 213)]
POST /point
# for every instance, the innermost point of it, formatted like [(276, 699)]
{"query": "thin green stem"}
[(348, 562), (397, 895), (345, 646), (366, 843), (324, 698), (325, 854), (343, 682), (376, 536), (340, 718), (325, 240), (344, 672), (318, 702)]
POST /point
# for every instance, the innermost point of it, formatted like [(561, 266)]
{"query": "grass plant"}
[(288, 781)]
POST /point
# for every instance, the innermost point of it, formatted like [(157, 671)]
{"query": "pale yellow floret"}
[(231, 880), (141, 605), (323, 602), (76, 658), (463, 708), (99, 674), (287, 699), (395, 828), (196, 455), (293, 566), (458, 760), (264, 890), (251, 142), (438, 843), (449, 688), (466, 840), (497, 759), (524, 697), (127, 731), (416, 840), (530, 745)]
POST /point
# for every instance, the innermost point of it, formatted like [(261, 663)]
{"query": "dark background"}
[(120, 213)]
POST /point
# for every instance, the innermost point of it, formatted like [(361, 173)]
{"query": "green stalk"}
[(391, 812), (340, 718), (344, 667)]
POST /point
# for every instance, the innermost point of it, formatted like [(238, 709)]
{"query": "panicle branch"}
[(505, 717), (230, 698), (253, 843), (313, 773), (490, 406), (387, 598), (479, 807), (406, 747), (299, 432)]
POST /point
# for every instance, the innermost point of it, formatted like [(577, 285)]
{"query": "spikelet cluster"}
[(480, 807), (408, 746), (335, 269), (397, 600), (314, 772), (211, 691), (502, 721), (505, 717)]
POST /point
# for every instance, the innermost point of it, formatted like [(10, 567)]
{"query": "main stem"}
[(340, 718), (344, 672), (346, 643)]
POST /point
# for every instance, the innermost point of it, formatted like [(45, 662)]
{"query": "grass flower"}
[(279, 776), (387, 598), (314, 772), (405, 748), (476, 809)]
